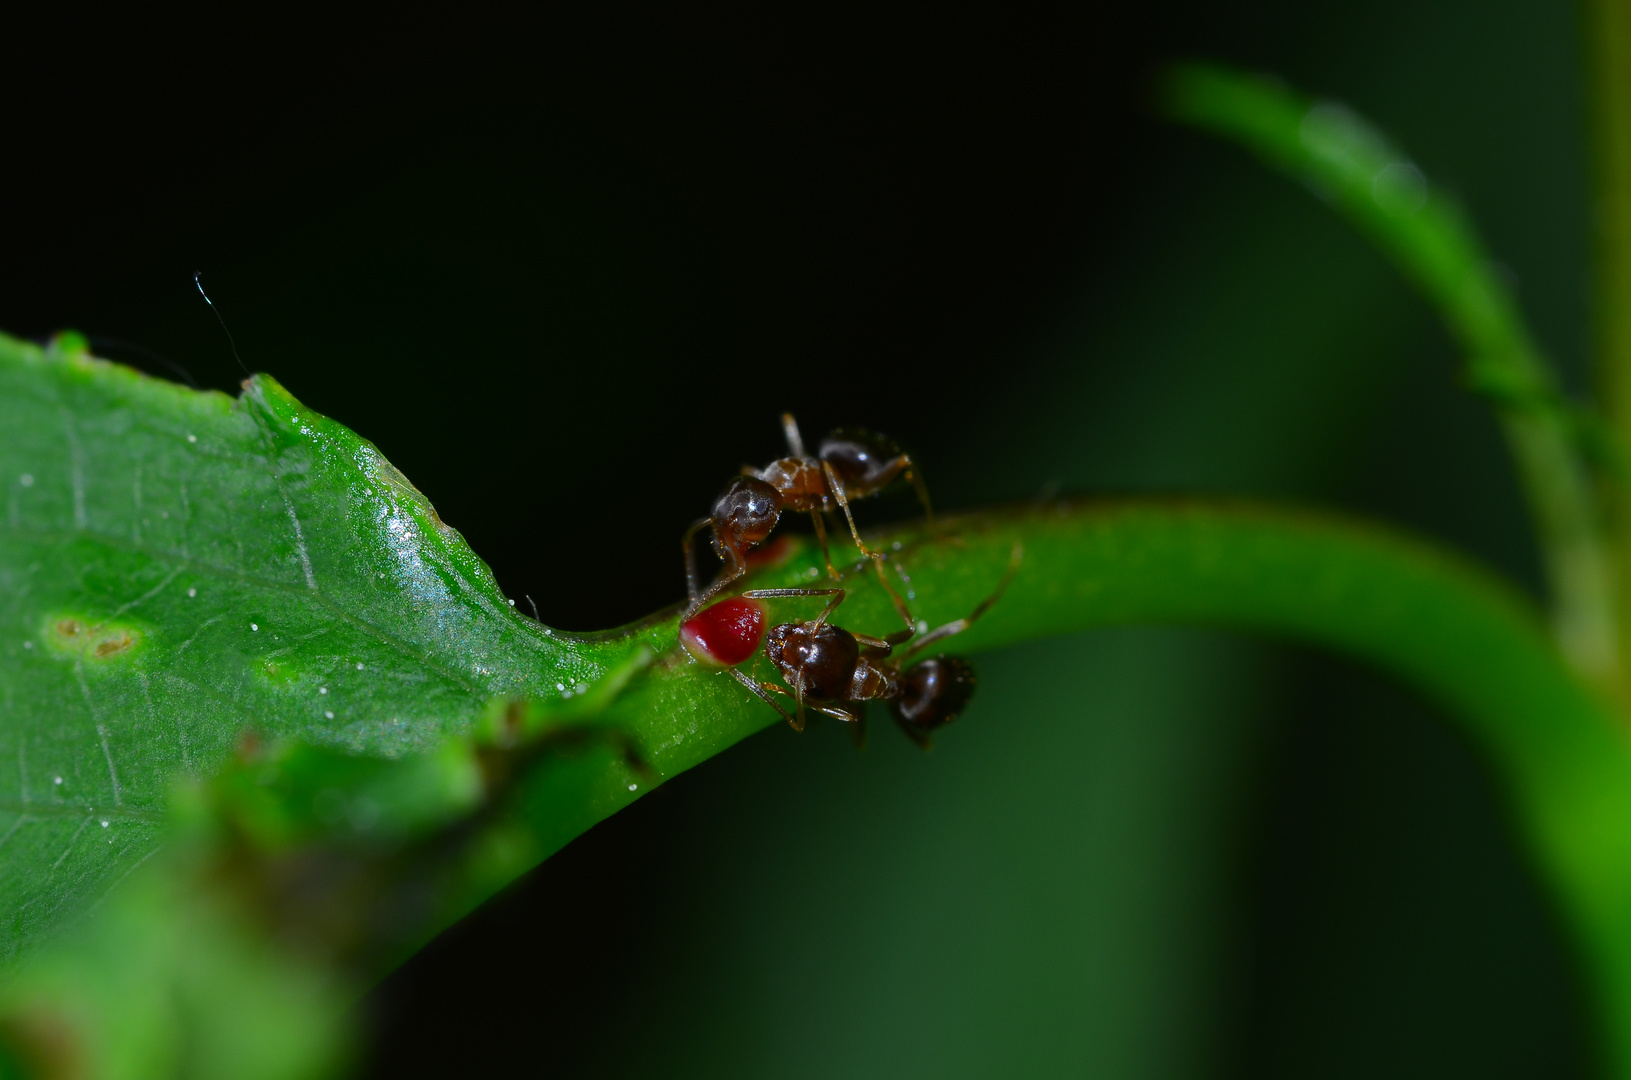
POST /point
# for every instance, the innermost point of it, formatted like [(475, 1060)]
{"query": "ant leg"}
[(900, 605), (915, 476), (940, 633), (903, 465), (837, 712), (769, 594), (918, 736), (858, 731), (736, 569), (795, 441), (759, 691), (877, 557), (691, 589), (821, 535), (837, 487), (876, 647)]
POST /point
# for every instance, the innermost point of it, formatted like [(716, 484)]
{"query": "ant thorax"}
[(800, 483)]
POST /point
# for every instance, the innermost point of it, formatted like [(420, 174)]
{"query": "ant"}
[(830, 668), (849, 464)]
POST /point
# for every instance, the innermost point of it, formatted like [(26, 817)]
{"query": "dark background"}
[(566, 270)]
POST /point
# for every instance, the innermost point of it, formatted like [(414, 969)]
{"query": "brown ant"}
[(830, 668), (849, 464)]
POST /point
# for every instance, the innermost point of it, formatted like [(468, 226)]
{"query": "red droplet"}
[(726, 633)]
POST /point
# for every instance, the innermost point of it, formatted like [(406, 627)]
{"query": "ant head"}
[(935, 691), (819, 661), (726, 633), (858, 456), (746, 512)]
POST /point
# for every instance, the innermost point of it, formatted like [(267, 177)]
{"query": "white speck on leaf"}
[(192, 438), (252, 626), (560, 686), (633, 786), (322, 689), (58, 780), (359, 665), (104, 823), (328, 713), (28, 644), (192, 592), (27, 480)]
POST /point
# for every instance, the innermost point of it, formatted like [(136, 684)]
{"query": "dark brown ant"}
[(830, 668), (849, 464)]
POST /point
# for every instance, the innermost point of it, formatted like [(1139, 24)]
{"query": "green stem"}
[(1609, 38), (1439, 623), (1382, 192)]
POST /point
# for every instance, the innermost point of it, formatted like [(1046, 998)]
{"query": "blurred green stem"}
[(1377, 187), (1608, 33)]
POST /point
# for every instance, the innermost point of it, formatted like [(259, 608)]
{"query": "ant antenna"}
[(230, 340)]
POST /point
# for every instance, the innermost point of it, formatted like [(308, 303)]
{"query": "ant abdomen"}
[(864, 460), (933, 693)]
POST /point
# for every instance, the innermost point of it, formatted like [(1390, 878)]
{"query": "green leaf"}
[(180, 569)]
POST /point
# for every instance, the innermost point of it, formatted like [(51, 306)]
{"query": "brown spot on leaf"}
[(117, 642), (249, 744), (70, 628)]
